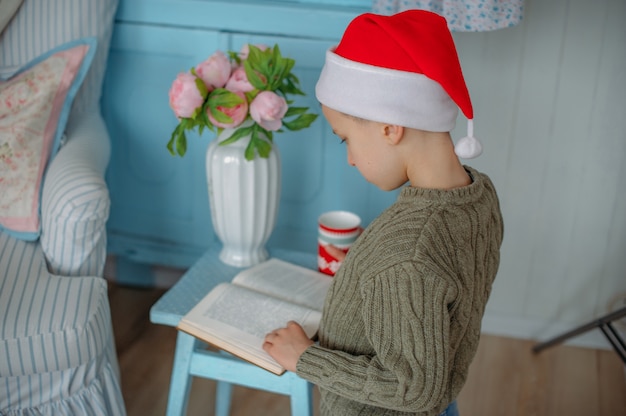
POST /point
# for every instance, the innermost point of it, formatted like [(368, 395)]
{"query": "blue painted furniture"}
[(193, 359), (159, 203)]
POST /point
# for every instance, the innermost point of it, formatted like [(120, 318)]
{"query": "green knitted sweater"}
[(402, 318)]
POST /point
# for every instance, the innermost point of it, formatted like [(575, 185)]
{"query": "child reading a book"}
[(401, 321)]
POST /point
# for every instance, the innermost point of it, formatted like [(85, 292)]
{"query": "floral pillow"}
[(34, 107)]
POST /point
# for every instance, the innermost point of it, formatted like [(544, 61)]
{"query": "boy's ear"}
[(392, 133)]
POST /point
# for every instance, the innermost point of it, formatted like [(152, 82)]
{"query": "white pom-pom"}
[(469, 146)]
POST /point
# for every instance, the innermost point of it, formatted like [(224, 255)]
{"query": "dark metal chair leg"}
[(616, 341), (603, 323)]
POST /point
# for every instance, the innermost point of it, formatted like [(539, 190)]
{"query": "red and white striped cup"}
[(339, 228)]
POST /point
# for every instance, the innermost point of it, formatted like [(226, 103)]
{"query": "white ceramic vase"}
[(244, 197)]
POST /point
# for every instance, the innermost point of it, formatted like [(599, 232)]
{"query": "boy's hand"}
[(286, 345)]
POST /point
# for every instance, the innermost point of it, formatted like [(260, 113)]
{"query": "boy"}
[(401, 322)]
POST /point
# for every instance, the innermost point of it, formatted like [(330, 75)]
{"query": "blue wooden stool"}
[(191, 357)]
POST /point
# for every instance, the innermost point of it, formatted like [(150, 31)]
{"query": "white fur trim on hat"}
[(385, 95)]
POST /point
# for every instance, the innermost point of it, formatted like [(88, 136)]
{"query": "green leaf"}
[(263, 148), (258, 63), (301, 122), (253, 77), (223, 98), (238, 134), (294, 79), (202, 89), (203, 118), (255, 56), (234, 56), (291, 87), (249, 152), (181, 144), (292, 111), (276, 55), (251, 95), (220, 116), (286, 70), (170, 146)]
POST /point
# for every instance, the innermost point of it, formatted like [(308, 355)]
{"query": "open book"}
[(236, 316)]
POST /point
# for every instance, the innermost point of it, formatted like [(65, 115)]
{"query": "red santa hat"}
[(401, 69)]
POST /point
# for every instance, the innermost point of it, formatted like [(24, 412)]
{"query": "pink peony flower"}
[(238, 81), (237, 113), (245, 50), (268, 109), (185, 98), (215, 71)]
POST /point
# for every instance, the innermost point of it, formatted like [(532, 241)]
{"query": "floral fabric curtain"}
[(462, 15)]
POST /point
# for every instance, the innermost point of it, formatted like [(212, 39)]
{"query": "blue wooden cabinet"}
[(160, 210)]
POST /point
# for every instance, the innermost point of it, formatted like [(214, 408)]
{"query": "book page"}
[(256, 314), (237, 319), (287, 281)]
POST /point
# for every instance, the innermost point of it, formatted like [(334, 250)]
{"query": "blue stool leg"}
[(180, 381), (222, 398), (223, 393), (301, 396)]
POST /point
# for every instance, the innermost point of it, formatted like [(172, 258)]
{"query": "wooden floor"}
[(505, 379)]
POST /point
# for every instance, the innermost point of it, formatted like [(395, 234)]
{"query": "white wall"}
[(550, 106)]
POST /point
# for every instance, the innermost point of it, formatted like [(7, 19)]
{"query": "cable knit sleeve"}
[(406, 323)]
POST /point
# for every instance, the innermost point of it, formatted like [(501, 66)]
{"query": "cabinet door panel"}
[(157, 200)]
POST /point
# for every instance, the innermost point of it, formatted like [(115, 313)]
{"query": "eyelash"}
[(341, 140)]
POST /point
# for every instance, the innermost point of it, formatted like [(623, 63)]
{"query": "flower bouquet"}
[(226, 91)]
